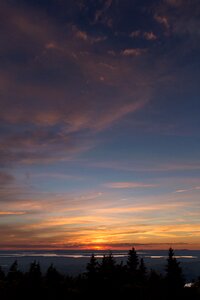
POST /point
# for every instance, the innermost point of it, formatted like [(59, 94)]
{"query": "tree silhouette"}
[(34, 273), (34, 279), (112, 281), (92, 268), (107, 266), (132, 261), (174, 276), (14, 273), (155, 285), (132, 265), (52, 275)]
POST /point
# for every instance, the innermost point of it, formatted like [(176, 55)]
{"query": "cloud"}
[(163, 20), (150, 36), (129, 185), (135, 34), (12, 213), (36, 146), (196, 188), (133, 52), (181, 17), (83, 35), (59, 235), (151, 167), (131, 209), (101, 15), (103, 246), (44, 94)]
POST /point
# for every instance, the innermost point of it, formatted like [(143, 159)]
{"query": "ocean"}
[(73, 262)]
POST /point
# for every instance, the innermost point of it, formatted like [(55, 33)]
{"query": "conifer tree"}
[(132, 261), (174, 274), (52, 275), (92, 266), (34, 275), (14, 273), (107, 266)]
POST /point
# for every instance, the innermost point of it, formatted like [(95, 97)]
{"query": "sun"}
[(98, 247)]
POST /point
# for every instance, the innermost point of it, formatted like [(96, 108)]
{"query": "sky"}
[(99, 124)]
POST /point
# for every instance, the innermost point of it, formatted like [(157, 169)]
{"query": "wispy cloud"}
[(151, 167), (142, 208), (83, 35), (133, 52), (129, 185), (196, 188), (12, 213), (147, 35)]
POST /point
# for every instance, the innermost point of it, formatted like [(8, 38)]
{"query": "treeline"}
[(102, 279)]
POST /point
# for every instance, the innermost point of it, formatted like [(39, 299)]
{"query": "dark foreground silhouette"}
[(102, 280)]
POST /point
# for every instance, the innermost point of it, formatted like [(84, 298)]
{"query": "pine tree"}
[(132, 261), (174, 276), (34, 275), (53, 280), (14, 273), (52, 275), (108, 266), (92, 267)]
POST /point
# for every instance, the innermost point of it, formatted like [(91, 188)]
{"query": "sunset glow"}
[(99, 124)]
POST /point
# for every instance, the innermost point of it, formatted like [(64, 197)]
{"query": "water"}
[(73, 262)]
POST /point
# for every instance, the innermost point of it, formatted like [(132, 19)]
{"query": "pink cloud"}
[(196, 188), (129, 185)]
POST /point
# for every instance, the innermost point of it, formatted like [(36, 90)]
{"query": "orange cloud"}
[(12, 213)]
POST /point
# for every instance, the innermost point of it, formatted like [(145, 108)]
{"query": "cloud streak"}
[(129, 185)]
